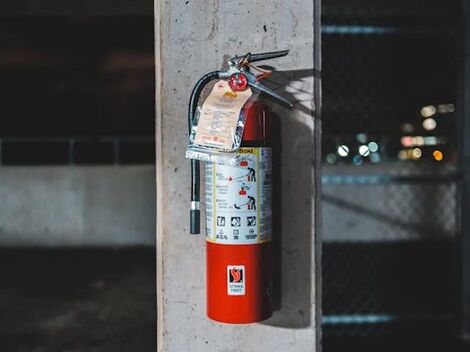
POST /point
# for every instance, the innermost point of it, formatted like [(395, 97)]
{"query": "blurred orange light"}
[(438, 155)]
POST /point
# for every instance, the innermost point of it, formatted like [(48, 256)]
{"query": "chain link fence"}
[(390, 175)]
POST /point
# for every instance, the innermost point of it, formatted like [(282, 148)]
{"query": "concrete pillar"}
[(192, 38)]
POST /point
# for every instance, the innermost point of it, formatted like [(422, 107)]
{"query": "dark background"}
[(382, 62)]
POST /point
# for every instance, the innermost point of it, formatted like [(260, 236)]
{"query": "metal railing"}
[(117, 145)]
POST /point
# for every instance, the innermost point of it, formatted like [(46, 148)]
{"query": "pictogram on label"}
[(238, 198), (236, 280)]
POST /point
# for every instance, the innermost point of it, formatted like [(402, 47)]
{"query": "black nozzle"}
[(195, 215), (195, 222)]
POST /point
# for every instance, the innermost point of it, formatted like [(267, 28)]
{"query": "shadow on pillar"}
[(292, 204)]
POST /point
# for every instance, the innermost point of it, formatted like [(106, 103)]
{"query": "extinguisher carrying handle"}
[(195, 213), (249, 57)]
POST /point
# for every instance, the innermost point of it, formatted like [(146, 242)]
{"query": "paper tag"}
[(219, 116)]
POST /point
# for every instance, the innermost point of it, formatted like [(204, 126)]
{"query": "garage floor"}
[(103, 300), (77, 300)]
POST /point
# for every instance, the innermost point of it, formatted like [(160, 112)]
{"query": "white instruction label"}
[(238, 199), (236, 280)]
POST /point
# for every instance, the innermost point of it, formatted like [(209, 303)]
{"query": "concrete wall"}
[(192, 38), (77, 206)]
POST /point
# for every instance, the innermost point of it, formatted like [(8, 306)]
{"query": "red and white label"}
[(236, 280), (238, 199)]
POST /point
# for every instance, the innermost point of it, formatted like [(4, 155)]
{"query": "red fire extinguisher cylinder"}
[(239, 277)]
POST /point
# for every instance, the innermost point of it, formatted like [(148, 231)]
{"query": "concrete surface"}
[(77, 206), (192, 38)]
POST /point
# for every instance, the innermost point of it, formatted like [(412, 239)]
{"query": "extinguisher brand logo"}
[(235, 280)]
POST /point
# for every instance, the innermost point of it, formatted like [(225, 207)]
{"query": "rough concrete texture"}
[(192, 38), (79, 206)]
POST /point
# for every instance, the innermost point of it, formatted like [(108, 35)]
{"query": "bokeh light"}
[(364, 150), (343, 150), (416, 153), (373, 147), (438, 155), (428, 111), (429, 124)]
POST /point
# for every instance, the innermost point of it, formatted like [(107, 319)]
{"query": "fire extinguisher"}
[(238, 204)]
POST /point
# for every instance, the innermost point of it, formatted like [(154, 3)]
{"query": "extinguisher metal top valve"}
[(241, 64), (254, 83)]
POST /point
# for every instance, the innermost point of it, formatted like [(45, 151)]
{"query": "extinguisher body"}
[(239, 227)]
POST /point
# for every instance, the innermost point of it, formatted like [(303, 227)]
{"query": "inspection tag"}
[(219, 116)]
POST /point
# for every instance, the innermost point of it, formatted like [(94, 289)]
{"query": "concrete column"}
[(192, 38)]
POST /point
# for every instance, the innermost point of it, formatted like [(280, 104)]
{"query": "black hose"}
[(195, 215)]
